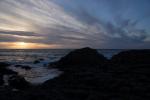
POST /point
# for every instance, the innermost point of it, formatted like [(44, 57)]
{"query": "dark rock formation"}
[(1, 79), (94, 83), (3, 64), (5, 70), (8, 72), (87, 80), (41, 59), (26, 67), (18, 82), (38, 61), (81, 57), (132, 57)]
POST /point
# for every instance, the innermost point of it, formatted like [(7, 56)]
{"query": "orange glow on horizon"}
[(22, 45), (25, 45)]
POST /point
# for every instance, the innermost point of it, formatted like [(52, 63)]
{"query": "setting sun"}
[(22, 43), (27, 45)]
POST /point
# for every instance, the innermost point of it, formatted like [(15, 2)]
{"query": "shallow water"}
[(39, 73)]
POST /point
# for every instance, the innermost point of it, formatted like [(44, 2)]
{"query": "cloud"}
[(20, 33), (93, 23)]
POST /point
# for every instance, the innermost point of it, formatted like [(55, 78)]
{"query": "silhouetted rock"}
[(18, 65), (18, 82), (132, 57), (90, 81), (3, 64), (79, 57), (5, 70), (41, 59), (36, 61), (26, 67), (8, 72), (1, 79)]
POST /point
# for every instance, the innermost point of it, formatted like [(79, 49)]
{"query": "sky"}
[(103, 24)]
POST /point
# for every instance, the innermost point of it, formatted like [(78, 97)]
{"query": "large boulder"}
[(18, 82), (132, 57), (84, 56), (38, 61), (5, 70), (1, 80), (3, 64)]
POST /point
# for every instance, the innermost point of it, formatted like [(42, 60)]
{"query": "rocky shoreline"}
[(87, 75)]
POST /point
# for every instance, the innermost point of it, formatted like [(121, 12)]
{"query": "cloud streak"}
[(73, 24)]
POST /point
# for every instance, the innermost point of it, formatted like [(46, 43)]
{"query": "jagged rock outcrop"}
[(14, 80), (132, 57), (90, 82), (18, 82), (81, 57), (5, 71)]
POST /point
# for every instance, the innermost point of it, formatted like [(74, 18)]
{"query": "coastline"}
[(87, 74)]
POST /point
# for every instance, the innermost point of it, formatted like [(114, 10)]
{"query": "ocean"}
[(39, 72)]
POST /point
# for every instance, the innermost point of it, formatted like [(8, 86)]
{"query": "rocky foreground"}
[(87, 75)]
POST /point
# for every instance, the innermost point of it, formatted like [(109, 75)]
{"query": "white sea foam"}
[(37, 74)]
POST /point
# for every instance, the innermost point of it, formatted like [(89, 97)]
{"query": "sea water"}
[(40, 72)]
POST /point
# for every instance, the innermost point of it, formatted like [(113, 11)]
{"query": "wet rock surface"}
[(5, 71), (99, 81), (13, 79), (38, 61)]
